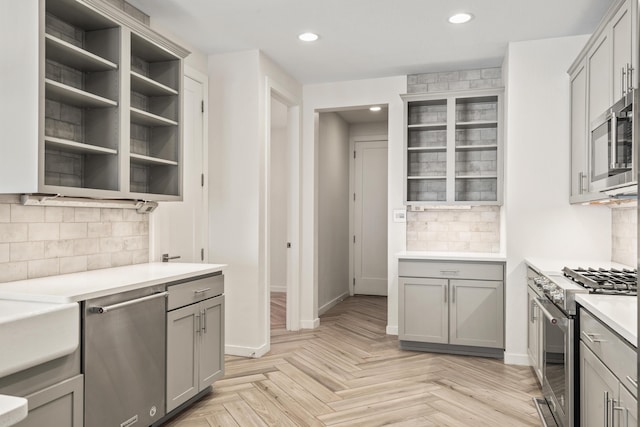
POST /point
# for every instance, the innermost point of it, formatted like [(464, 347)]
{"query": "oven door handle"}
[(547, 313)]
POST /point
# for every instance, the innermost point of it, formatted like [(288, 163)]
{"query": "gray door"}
[(423, 314), (597, 384), (211, 339), (183, 326)]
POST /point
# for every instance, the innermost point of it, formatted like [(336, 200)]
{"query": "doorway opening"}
[(352, 204)]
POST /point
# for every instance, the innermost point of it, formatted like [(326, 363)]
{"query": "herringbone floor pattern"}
[(348, 372)]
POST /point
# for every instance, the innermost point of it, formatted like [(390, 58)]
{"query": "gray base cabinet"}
[(60, 405), (461, 304), (195, 340), (608, 374)]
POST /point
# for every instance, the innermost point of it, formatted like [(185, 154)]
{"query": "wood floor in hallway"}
[(348, 372)]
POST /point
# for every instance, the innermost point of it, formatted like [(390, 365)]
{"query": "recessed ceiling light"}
[(460, 18), (308, 37), (376, 108)]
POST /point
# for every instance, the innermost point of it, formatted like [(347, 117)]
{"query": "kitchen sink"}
[(33, 333)]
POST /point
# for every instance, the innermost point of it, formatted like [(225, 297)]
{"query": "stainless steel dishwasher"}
[(124, 358)]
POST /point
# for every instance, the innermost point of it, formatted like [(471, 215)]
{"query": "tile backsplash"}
[(38, 241), (624, 238), (474, 229)]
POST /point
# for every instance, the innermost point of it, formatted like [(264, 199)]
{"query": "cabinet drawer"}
[(186, 293), (452, 270), (614, 351)]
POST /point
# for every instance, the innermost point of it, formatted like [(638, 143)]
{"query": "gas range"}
[(562, 288)]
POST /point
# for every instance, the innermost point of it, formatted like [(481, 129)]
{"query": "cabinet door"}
[(621, 50), (597, 385), (599, 78), (423, 310), (59, 405), (476, 313), (211, 344), (579, 131), (533, 334), (627, 409), (183, 331)]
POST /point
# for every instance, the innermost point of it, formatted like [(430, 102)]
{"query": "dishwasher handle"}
[(108, 308)]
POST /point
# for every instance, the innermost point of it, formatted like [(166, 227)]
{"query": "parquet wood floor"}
[(348, 372)]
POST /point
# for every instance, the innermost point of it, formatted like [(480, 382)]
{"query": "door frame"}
[(154, 250), (294, 139), (352, 188)]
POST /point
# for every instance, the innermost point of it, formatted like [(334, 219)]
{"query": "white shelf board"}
[(146, 118), (69, 95), (139, 158), (476, 176), (75, 57), (427, 126), (426, 148), (478, 124), (477, 147), (78, 147), (426, 177), (149, 87)]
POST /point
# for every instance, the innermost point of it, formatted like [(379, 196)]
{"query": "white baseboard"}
[(322, 310), (310, 324), (516, 359), (392, 330), (234, 350), (278, 288)]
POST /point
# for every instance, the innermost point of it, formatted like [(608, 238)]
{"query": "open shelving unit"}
[(453, 148)]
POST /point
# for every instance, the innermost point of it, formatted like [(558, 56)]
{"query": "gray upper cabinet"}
[(453, 148), (93, 104), (603, 72)]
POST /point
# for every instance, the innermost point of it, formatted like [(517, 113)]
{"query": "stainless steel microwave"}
[(612, 147)]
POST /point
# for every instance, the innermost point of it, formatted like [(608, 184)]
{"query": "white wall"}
[(368, 129), (238, 154), (340, 95), (278, 217), (540, 222), (333, 210)]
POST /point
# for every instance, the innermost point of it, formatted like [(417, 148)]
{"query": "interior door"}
[(179, 227), (370, 218)]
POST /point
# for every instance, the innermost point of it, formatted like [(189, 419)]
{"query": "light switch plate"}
[(399, 215)]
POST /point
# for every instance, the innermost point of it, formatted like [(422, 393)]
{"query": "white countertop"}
[(620, 313), (12, 410), (546, 265), (452, 256), (98, 283)]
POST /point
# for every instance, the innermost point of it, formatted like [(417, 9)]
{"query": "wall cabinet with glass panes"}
[(453, 148)]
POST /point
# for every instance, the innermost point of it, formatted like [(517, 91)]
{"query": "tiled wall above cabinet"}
[(93, 105)]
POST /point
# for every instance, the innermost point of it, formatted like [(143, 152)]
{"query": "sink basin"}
[(32, 333), (12, 410)]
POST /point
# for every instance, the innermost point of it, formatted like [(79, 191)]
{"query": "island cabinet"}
[(453, 148), (92, 104), (608, 376), (449, 306), (604, 71), (195, 337)]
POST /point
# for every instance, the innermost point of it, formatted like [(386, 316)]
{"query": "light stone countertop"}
[(98, 283), (620, 313), (12, 410), (452, 256)]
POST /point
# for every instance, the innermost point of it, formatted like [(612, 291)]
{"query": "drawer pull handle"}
[(591, 338), (449, 272), (201, 291), (632, 381)]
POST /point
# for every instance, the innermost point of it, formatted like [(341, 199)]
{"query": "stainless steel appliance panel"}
[(124, 358)]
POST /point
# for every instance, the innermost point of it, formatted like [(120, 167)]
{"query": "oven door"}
[(557, 362)]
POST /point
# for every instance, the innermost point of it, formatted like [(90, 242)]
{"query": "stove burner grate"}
[(605, 281)]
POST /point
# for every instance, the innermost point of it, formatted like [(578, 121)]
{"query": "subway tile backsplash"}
[(39, 241), (624, 238), (476, 229)]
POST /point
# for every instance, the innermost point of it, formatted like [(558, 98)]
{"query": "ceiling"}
[(371, 38)]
